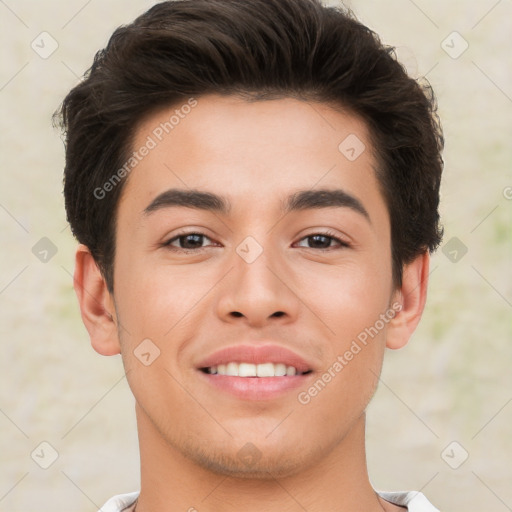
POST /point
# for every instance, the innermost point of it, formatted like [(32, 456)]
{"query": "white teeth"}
[(232, 369), (290, 370), (246, 370), (265, 370), (253, 370), (280, 370)]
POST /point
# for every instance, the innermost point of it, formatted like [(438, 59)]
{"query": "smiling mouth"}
[(263, 370)]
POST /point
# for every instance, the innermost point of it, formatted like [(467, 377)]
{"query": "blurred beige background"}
[(446, 395)]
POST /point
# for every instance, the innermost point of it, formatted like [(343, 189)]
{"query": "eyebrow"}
[(298, 201), (189, 199), (324, 198)]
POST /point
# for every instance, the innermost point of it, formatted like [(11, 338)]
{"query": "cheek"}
[(351, 310), (153, 300), (349, 299), (156, 306), (356, 338)]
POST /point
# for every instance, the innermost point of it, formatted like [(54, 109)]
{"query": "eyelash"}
[(328, 234)]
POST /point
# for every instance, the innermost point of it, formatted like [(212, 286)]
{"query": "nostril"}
[(278, 313), (236, 313)]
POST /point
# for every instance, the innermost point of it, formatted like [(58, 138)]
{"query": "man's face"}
[(266, 274)]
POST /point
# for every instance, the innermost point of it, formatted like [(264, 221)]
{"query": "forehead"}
[(255, 150)]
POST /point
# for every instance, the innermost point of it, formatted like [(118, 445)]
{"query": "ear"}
[(96, 303), (412, 296)]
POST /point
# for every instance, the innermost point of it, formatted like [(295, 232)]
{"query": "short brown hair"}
[(259, 49)]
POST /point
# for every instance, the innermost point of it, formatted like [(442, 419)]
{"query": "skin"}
[(189, 304)]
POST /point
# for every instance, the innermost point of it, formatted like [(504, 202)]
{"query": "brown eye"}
[(319, 241), (323, 241), (187, 241)]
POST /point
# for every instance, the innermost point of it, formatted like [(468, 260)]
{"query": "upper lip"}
[(256, 354)]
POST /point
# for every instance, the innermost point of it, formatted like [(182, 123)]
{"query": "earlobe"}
[(412, 296), (96, 303)]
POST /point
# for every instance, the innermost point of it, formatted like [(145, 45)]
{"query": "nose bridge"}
[(253, 267), (255, 289)]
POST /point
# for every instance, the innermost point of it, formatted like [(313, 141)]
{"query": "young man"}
[(255, 188)]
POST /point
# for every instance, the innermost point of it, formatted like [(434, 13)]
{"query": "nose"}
[(258, 293)]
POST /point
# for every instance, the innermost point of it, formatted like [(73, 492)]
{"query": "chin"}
[(249, 462)]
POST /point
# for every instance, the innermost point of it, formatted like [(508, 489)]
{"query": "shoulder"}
[(413, 500), (119, 502)]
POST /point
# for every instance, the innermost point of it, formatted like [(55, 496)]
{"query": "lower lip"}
[(256, 388)]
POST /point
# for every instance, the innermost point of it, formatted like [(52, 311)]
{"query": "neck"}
[(170, 481)]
